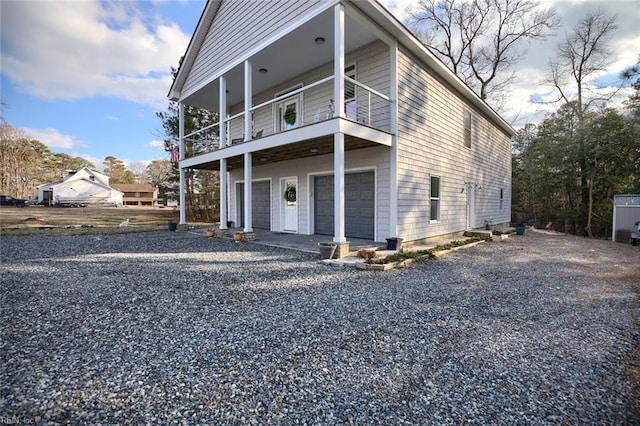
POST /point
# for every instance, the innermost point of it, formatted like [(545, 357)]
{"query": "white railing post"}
[(247, 101), (369, 108), (338, 60), (222, 128)]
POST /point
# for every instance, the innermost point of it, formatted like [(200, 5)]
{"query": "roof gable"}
[(229, 30)]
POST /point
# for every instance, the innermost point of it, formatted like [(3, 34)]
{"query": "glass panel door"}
[(288, 114)]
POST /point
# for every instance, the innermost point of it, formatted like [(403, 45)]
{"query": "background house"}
[(82, 187), (138, 194), (338, 103)]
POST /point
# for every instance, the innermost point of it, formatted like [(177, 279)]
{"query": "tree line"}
[(26, 163), (566, 169)]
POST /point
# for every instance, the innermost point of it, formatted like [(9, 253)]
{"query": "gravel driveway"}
[(174, 328)]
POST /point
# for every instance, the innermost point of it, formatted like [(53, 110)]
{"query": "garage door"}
[(359, 205), (261, 204)]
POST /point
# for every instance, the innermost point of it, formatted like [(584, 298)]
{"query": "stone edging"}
[(406, 262)]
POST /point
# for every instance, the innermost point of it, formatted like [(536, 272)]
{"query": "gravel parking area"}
[(167, 327)]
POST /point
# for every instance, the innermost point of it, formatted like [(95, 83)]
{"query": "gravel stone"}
[(174, 328)]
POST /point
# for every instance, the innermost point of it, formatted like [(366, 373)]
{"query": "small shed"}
[(626, 212)]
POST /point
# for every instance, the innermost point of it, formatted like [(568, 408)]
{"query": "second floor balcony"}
[(328, 68), (303, 106)]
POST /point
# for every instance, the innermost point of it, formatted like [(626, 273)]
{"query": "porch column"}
[(338, 194), (183, 216), (222, 115), (247, 101), (248, 226), (223, 193), (338, 60)]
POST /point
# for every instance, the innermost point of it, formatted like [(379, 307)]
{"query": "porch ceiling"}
[(308, 148), (285, 59)]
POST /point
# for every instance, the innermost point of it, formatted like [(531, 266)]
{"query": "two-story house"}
[(336, 120), (138, 194)]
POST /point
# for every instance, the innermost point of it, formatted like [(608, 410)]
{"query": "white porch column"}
[(338, 138), (183, 215), (393, 167), (222, 135), (247, 101), (248, 226), (222, 115), (223, 193), (338, 194), (338, 60)]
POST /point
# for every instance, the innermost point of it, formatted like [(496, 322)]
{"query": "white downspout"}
[(393, 166)]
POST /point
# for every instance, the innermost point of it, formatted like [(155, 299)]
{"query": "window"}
[(501, 198), (467, 128), (435, 198)]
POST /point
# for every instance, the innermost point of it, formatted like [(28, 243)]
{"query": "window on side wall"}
[(467, 128), (501, 198), (435, 199)]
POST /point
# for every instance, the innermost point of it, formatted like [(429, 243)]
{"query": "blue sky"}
[(87, 77)]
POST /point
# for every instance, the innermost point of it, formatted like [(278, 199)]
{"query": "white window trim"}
[(439, 198), (464, 127)]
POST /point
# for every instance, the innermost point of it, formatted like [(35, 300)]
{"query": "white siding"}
[(431, 141), (238, 26)]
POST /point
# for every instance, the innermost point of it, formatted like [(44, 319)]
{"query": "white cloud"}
[(157, 144), (53, 138), (72, 50)]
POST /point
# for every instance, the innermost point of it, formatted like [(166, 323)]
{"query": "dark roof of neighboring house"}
[(134, 187)]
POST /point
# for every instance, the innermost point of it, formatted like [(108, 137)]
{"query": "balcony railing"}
[(311, 104)]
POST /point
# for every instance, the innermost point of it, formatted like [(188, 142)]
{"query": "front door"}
[(290, 204)]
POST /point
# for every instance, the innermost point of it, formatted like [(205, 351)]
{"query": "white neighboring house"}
[(79, 188), (336, 120)]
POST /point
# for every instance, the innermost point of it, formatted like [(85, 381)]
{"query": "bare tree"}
[(583, 55), (579, 59), (481, 40), (139, 170)]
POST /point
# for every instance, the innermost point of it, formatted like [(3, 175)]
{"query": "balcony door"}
[(288, 113)]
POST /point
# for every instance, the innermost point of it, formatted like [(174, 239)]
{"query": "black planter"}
[(172, 226), (394, 243)]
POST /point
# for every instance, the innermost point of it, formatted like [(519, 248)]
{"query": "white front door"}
[(290, 204), (288, 113), (471, 207)]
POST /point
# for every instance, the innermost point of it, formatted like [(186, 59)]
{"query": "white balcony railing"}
[(312, 104)]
